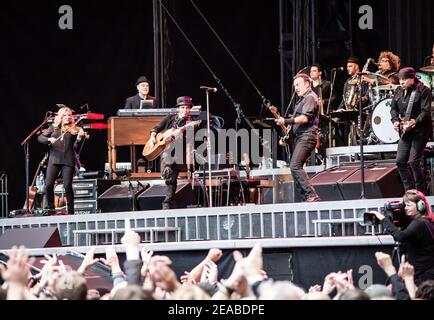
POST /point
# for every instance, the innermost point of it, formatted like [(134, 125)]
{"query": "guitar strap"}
[(410, 105)]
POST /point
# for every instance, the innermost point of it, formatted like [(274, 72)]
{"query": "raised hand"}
[(88, 261)]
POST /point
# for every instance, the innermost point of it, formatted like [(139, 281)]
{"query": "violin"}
[(74, 130)]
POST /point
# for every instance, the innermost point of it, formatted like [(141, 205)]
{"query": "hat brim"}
[(148, 82), (184, 104)]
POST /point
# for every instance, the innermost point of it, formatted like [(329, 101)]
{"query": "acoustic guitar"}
[(164, 139), (32, 189)]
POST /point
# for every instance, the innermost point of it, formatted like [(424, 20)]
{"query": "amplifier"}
[(85, 206), (87, 189)]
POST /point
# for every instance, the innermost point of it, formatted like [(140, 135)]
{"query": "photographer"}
[(418, 236)]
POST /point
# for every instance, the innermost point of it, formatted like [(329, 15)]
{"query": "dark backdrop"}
[(112, 44)]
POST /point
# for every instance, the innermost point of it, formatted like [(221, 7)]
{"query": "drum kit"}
[(379, 129)]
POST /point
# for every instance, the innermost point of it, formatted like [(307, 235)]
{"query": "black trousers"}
[(410, 162), (169, 173), (304, 145), (67, 176)]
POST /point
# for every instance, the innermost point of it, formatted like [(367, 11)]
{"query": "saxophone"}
[(351, 96)]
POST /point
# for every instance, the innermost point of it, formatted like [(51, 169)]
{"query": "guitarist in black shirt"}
[(171, 165), (411, 116), (305, 127)]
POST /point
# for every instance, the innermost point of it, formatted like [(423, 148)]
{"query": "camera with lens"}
[(393, 210)]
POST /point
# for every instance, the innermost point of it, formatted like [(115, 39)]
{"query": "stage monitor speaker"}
[(326, 182), (382, 180), (152, 198), (120, 198), (31, 238)]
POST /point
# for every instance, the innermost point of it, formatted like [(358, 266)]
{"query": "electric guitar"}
[(164, 139), (32, 189), (403, 128), (288, 137)]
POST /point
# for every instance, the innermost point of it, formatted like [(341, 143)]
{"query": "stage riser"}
[(222, 223)]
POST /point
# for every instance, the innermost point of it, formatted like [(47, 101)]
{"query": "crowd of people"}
[(145, 276)]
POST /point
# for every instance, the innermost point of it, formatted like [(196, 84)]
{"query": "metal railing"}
[(285, 220)]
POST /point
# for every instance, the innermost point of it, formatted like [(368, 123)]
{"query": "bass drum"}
[(381, 122)]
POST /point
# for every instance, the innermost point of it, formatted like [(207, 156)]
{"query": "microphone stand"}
[(131, 194), (208, 145), (361, 136), (328, 107), (203, 186), (26, 143)]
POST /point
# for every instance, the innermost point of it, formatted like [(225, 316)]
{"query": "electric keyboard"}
[(154, 112)]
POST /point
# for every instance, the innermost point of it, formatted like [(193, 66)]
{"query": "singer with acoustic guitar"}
[(172, 128), (62, 137), (411, 116)]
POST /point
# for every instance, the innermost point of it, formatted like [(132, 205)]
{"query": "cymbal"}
[(428, 69), (375, 76)]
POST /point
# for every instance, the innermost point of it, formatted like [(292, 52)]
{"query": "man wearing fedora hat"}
[(411, 115), (143, 86), (170, 165)]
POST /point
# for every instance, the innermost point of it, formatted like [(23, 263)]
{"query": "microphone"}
[(85, 106), (338, 69), (209, 89)]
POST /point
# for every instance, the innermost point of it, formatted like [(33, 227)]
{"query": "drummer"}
[(388, 67)]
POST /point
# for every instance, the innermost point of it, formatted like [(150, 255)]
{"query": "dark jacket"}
[(134, 102), (418, 238), (63, 150), (421, 110)]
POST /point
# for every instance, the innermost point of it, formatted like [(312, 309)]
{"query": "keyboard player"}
[(139, 101)]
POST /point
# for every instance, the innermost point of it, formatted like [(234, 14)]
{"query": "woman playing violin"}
[(62, 137)]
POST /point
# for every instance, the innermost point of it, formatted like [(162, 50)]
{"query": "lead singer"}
[(305, 127)]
